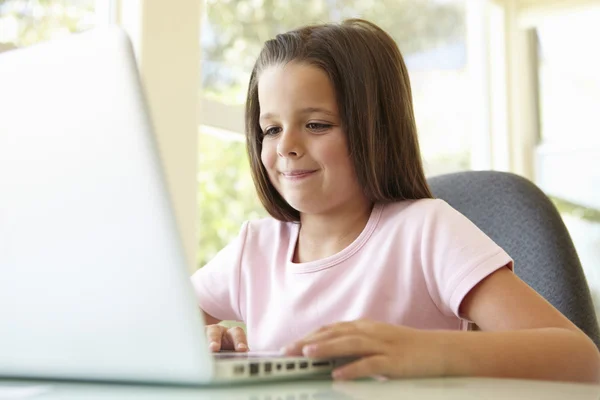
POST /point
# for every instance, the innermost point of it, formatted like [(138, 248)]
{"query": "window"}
[(226, 194), (25, 22), (432, 35), (567, 157)]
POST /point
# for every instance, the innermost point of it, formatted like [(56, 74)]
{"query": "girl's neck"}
[(323, 235)]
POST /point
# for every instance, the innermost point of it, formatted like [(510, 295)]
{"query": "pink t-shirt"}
[(412, 265)]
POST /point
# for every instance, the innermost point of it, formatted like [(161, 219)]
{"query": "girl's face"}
[(304, 147)]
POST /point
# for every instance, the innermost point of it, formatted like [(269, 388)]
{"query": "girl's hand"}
[(381, 350), (222, 338)]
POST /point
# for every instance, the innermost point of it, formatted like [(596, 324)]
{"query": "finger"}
[(295, 349), (214, 333), (382, 331), (346, 346), (324, 333), (374, 366), (340, 329), (345, 328), (237, 337)]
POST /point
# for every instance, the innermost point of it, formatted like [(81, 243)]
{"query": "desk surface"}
[(448, 389)]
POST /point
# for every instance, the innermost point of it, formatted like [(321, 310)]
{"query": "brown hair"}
[(375, 103)]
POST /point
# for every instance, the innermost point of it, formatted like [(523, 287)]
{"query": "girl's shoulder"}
[(421, 209), (267, 228), (268, 224), (423, 215), (430, 217)]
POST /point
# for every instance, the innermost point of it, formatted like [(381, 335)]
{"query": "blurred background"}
[(510, 85)]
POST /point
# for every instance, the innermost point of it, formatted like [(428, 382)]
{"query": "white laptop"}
[(93, 280)]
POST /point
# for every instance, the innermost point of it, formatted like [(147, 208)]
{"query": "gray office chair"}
[(520, 218)]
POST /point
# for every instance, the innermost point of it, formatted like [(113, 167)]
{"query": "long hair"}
[(374, 98)]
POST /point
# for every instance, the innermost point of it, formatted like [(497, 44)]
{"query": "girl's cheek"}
[(268, 156)]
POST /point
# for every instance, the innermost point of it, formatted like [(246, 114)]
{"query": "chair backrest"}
[(521, 219)]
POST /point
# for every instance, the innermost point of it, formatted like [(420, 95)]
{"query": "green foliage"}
[(39, 20), (576, 210), (226, 194), (235, 31)]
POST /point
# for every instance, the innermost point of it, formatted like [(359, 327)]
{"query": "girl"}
[(358, 259)]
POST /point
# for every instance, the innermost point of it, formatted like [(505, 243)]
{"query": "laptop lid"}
[(93, 277)]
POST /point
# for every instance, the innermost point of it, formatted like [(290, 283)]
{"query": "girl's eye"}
[(271, 131), (317, 127)]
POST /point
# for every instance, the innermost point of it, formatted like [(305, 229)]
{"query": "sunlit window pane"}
[(567, 158), (25, 22)]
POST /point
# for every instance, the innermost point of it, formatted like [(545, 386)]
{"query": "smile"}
[(297, 175)]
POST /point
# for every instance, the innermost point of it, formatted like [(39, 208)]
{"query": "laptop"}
[(93, 280)]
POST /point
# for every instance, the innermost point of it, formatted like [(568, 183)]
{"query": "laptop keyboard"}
[(232, 355)]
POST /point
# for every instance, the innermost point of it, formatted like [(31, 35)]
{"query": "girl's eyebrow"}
[(266, 116), (307, 110)]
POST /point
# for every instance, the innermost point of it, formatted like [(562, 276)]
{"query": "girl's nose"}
[(289, 145)]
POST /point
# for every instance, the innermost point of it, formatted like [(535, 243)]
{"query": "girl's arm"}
[(209, 319), (523, 337)]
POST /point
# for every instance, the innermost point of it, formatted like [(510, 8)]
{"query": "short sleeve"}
[(456, 255), (217, 284)]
